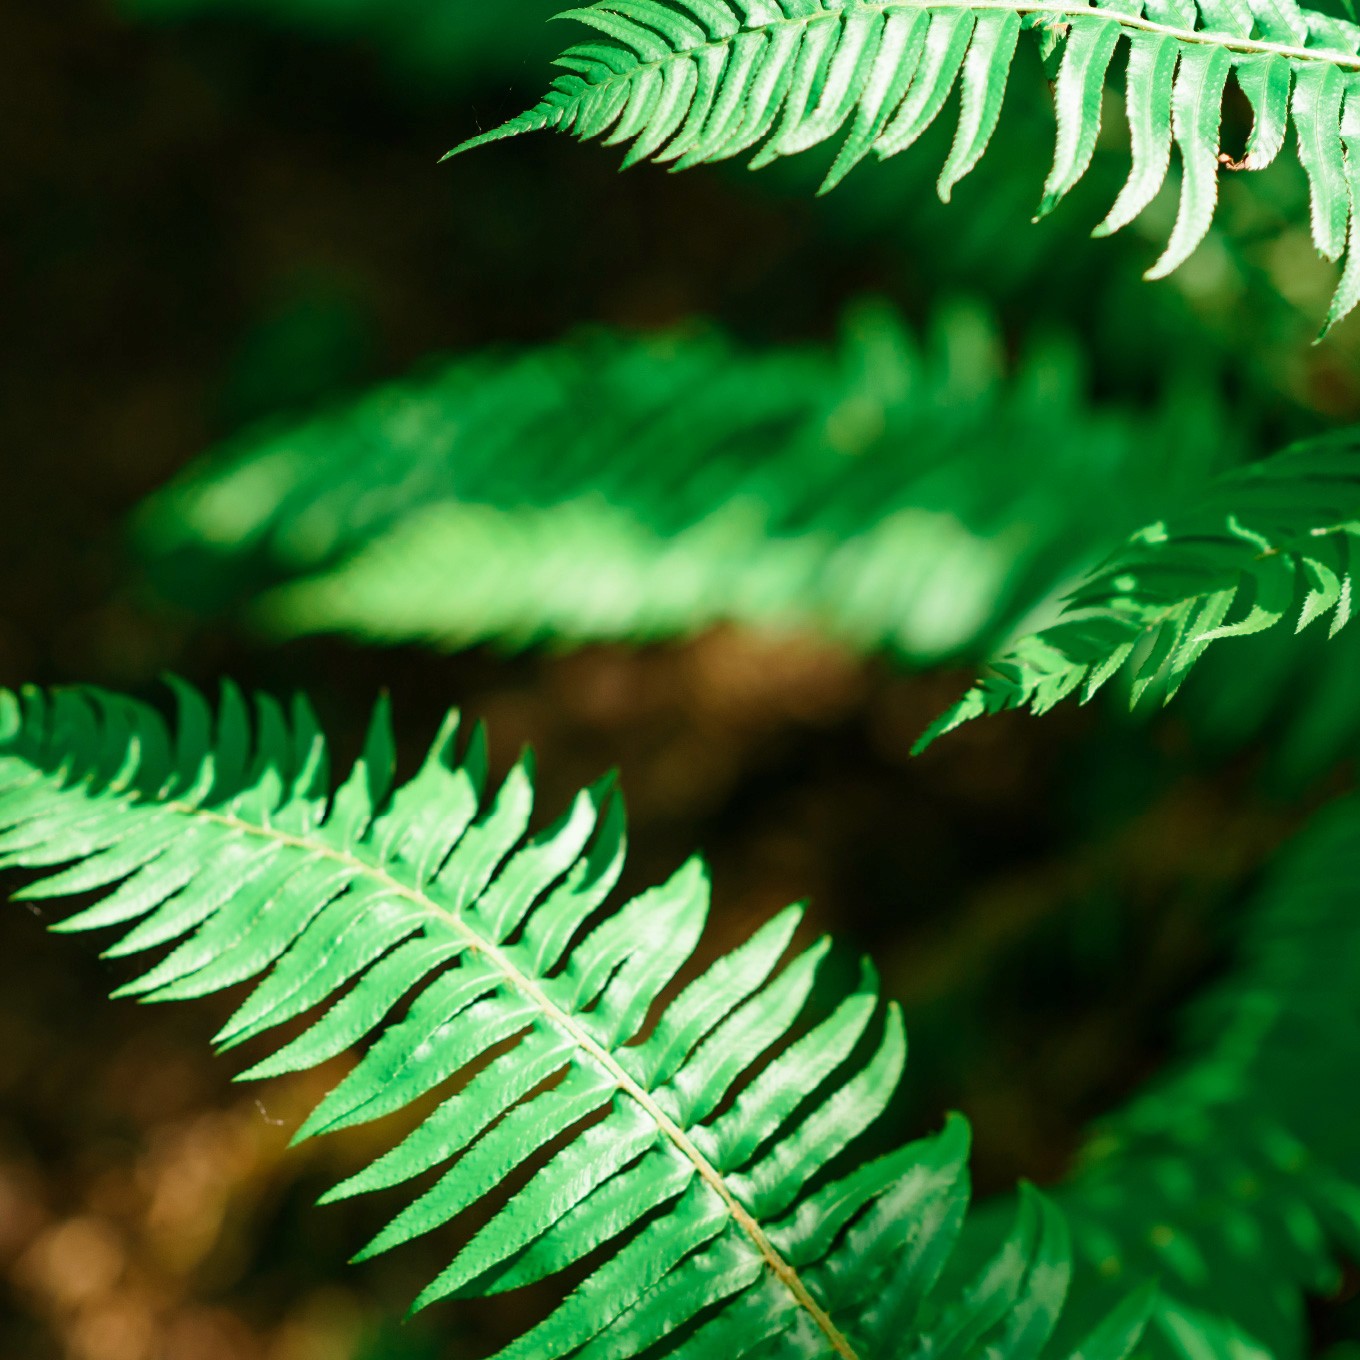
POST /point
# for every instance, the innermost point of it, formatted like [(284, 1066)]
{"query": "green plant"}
[(1269, 541), (702, 1159), (614, 487), (230, 843), (1228, 1177)]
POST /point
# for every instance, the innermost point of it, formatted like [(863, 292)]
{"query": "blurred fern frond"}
[(698, 1145), (1235, 1179), (918, 499), (1269, 542), (694, 81)]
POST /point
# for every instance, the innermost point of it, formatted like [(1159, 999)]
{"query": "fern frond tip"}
[(971, 705), (532, 120)]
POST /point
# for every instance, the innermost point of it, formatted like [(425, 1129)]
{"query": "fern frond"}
[(915, 498), (1235, 1179), (695, 81), (1271, 541), (423, 917), (1237, 1220)]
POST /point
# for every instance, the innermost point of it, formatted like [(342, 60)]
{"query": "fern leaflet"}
[(1270, 541), (695, 81), (720, 1195)]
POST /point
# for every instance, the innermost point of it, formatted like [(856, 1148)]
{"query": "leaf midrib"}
[(530, 989)]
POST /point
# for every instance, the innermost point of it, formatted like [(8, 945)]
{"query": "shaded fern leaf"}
[(1270, 542), (1235, 1179), (1292, 695), (1235, 1220), (916, 496), (694, 81), (720, 1197)]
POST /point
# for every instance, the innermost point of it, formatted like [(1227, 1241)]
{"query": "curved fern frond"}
[(1271, 541), (699, 1142), (694, 81), (916, 498)]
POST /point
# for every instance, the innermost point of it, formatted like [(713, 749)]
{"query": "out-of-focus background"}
[(215, 213)]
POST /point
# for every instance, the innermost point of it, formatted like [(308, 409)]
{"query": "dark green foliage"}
[(1233, 1179), (435, 39), (1267, 543), (693, 81), (732, 1225), (915, 498), (1293, 694), (1236, 1178), (1237, 1222)]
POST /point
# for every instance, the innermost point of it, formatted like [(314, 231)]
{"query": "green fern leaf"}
[(1269, 542), (697, 81), (916, 498), (426, 918)]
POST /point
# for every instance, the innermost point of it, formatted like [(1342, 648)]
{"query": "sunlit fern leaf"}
[(425, 918), (1269, 542), (692, 81), (915, 497)]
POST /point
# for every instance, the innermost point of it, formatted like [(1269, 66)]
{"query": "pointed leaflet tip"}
[(1087, 52), (985, 72), (1197, 107), (531, 120), (1148, 86), (500, 134), (972, 705), (1348, 288)]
